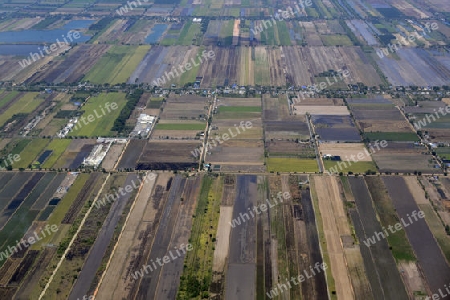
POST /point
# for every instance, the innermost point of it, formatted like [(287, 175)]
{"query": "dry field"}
[(290, 149), (223, 238), (168, 155), (112, 156), (276, 109), (312, 37), (225, 126), (439, 135), (223, 68), (344, 150), (287, 130), (185, 107), (318, 101), (410, 10), (238, 102), (321, 110), (319, 59), (404, 163), (381, 120), (237, 152)]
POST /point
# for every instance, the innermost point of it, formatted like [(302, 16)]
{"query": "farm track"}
[(334, 227), (240, 276)]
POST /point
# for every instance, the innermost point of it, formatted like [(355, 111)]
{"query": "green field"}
[(443, 151), (117, 65), (19, 146), (58, 147), (261, 73), (226, 33), (30, 153), (283, 34), (181, 126), (24, 105), (392, 136), (336, 40), (100, 126), (6, 97), (279, 164), (240, 109), (188, 33), (155, 102), (355, 167)]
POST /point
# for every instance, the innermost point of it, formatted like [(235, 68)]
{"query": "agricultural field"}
[(156, 67), (428, 252), (381, 121), (74, 154), (404, 157), (29, 155), (291, 165), (345, 150), (167, 155), (74, 66), (116, 65), (103, 119), (24, 105), (417, 67), (335, 128), (32, 204), (237, 155), (57, 148)]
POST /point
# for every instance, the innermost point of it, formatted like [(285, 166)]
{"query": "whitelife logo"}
[(429, 118), (392, 48), (162, 261), (282, 287), (260, 208), (393, 229), (342, 165), (225, 137), (109, 198), (184, 68), (92, 117), (286, 14), (23, 244), (9, 160), (71, 35)]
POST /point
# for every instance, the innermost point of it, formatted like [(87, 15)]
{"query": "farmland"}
[(103, 119), (116, 65), (276, 164)]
